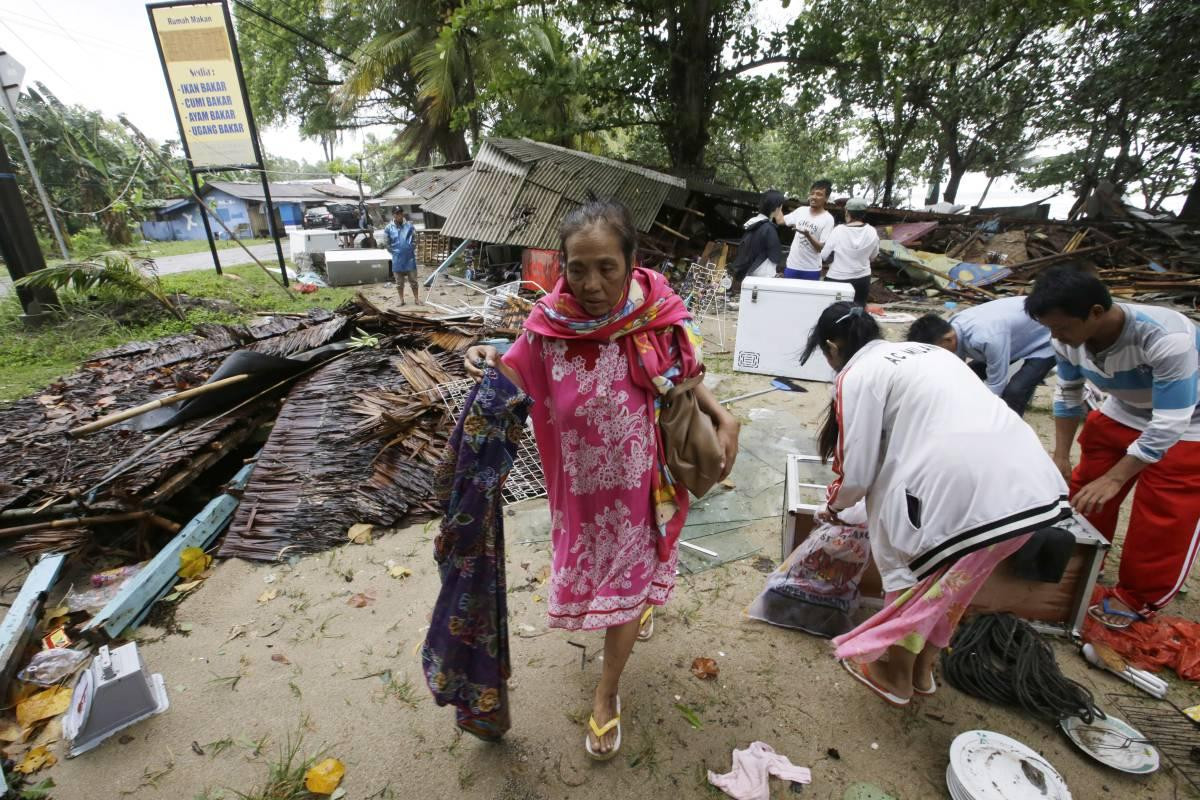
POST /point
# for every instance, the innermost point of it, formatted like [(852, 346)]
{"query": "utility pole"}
[(11, 73), (19, 245), (361, 205)]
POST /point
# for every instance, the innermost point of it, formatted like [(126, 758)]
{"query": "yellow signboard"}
[(194, 42)]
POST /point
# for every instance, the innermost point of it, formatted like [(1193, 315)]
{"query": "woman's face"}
[(596, 271), (833, 355)]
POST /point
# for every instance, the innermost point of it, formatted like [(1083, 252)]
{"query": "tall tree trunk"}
[(986, 189), (1191, 204), (695, 59), (935, 175), (890, 160), (952, 184)]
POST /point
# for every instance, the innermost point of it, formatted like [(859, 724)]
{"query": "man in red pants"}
[(1146, 433)]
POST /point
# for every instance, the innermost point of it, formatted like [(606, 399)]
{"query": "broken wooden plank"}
[(139, 593), (24, 613)]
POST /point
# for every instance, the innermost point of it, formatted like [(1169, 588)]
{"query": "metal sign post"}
[(198, 52), (11, 74)]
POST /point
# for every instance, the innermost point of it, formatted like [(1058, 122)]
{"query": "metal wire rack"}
[(1162, 722), (526, 481)]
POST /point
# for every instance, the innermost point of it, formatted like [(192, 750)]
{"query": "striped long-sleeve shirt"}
[(1150, 375)]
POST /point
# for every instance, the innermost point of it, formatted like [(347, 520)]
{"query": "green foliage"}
[(92, 171), (1129, 110), (88, 242), (113, 270)]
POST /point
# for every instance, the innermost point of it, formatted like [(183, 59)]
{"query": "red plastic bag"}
[(1162, 641)]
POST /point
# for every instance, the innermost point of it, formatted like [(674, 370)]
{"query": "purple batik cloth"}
[(465, 655)]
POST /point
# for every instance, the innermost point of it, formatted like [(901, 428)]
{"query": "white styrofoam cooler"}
[(775, 317), (316, 240), (358, 266)]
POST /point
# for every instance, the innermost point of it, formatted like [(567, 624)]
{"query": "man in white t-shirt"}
[(852, 246), (813, 225)]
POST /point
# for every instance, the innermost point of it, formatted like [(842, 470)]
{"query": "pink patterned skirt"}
[(928, 612)]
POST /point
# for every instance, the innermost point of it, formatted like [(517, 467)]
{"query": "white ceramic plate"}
[(991, 766), (956, 791), (1105, 741)]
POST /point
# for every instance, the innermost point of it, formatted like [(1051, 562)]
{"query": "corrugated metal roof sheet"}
[(518, 190), (252, 190), (425, 185)]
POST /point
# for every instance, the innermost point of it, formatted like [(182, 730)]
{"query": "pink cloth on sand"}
[(928, 612), (753, 767)]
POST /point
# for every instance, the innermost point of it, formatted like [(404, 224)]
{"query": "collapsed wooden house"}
[(328, 459)]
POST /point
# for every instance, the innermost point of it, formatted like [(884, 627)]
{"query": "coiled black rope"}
[(1001, 658)]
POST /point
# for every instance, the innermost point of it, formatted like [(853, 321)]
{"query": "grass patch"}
[(161, 249), (285, 774), (30, 359)]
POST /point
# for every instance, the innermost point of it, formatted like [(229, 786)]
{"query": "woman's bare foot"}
[(896, 679), (604, 708)]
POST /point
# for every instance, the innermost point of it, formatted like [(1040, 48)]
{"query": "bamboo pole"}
[(71, 522), (120, 416)]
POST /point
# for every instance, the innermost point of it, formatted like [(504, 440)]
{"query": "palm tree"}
[(440, 52)]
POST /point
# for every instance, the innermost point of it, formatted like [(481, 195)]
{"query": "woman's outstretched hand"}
[(478, 357), (728, 428)]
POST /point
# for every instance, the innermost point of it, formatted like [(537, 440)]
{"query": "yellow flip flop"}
[(645, 631), (599, 731)]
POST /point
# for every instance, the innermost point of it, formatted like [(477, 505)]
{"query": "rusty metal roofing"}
[(518, 190), (426, 185)]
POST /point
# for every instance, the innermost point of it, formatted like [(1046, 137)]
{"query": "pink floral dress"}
[(597, 442)]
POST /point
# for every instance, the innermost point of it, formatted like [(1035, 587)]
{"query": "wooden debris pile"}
[(1135, 255), (47, 477), (355, 442)]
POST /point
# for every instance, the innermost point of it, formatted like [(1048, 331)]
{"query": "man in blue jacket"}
[(399, 233), (993, 336)]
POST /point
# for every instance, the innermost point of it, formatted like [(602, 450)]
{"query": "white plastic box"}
[(358, 266), (775, 316), (316, 240)]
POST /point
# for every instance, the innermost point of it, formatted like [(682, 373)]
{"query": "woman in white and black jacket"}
[(954, 480), (760, 253)]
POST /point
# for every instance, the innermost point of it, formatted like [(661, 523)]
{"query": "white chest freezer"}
[(358, 266), (775, 317), (316, 240)]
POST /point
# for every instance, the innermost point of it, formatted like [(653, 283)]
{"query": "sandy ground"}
[(248, 677)]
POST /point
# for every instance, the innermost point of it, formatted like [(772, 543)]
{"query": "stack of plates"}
[(989, 766)]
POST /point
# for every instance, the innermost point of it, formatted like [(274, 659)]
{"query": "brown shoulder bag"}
[(693, 452)]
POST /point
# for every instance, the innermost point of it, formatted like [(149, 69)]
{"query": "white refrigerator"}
[(775, 316)]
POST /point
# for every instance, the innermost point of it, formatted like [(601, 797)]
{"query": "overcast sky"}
[(100, 54)]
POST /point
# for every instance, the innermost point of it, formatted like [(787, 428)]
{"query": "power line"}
[(38, 57), (275, 21), (70, 35)]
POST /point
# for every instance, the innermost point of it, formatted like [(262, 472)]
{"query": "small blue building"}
[(241, 206)]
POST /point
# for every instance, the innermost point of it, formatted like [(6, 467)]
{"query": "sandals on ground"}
[(863, 676), (599, 731), (1102, 608), (932, 686), (646, 625)]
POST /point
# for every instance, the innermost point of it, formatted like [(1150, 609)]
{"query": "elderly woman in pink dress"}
[(595, 356)]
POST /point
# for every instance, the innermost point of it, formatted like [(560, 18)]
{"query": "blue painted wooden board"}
[(139, 593)]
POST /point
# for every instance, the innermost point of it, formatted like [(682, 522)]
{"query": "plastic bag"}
[(100, 589), (1162, 641), (816, 588), (48, 667)]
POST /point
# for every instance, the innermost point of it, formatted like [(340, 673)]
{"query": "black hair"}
[(852, 328), (612, 213), (1069, 289), (929, 329), (400, 211), (771, 200), (822, 184)]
